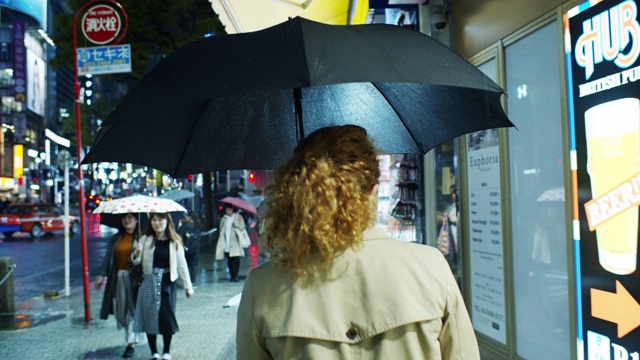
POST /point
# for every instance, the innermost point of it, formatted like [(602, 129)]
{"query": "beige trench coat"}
[(234, 245), (386, 300)]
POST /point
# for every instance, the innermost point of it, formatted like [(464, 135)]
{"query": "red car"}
[(35, 219)]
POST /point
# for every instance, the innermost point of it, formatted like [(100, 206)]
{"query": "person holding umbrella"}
[(336, 286), (161, 253), (119, 292), (228, 245)]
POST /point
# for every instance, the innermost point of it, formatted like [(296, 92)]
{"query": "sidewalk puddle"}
[(22, 321)]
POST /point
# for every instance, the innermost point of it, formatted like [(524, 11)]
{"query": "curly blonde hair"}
[(320, 201)]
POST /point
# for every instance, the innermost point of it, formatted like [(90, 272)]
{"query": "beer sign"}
[(101, 24), (602, 50)]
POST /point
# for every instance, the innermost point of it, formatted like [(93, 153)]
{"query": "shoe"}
[(128, 352), (166, 356), (155, 356)]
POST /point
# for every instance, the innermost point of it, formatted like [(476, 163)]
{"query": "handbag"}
[(243, 238), (445, 238), (135, 272)]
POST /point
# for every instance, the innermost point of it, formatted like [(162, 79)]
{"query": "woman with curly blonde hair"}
[(337, 287)]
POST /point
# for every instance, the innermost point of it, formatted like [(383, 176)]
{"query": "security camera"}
[(439, 21), (439, 17)]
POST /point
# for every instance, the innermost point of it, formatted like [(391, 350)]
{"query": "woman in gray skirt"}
[(119, 293), (161, 253)]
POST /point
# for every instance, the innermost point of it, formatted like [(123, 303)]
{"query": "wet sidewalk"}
[(56, 328)]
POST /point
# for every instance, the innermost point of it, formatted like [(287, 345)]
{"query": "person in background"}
[(228, 243), (161, 253), (189, 230), (119, 294), (336, 286)]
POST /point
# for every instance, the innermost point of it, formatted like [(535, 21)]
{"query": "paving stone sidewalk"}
[(56, 328)]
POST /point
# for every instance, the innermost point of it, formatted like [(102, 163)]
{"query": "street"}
[(40, 262)]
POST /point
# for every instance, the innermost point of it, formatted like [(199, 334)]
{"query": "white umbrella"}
[(139, 204)]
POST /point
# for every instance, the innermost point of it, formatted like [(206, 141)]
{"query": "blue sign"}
[(104, 59)]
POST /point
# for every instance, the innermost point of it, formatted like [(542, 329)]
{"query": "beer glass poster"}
[(602, 44)]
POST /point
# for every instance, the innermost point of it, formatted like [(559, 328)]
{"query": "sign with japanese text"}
[(104, 59), (101, 24), (19, 63), (602, 49)]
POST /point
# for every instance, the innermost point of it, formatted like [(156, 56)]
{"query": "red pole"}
[(83, 225)]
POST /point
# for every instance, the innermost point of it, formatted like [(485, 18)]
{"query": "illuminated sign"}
[(104, 59), (606, 36), (602, 51), (18, 160), (19, 63)]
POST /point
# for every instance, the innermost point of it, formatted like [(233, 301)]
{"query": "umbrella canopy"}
[(177, 194), (240, 204), (138, 204), (227, 102), (115, 220)]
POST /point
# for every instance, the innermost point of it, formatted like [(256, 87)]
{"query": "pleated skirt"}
[(156, 305)]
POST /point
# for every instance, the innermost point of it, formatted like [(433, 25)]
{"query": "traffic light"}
[(190, 177), (20, 181), (252, 177), (34, 180)]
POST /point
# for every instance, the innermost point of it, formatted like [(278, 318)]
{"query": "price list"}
[(485, 235)]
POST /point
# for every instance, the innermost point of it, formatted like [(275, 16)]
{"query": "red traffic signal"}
[(35, 180), (20, 181), (252, 177), (190, 177)]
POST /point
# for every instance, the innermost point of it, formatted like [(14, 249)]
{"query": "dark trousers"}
[(233, 264), (192, 264)]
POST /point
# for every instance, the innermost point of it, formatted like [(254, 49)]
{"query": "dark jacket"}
[(190, 234), (108, 269)]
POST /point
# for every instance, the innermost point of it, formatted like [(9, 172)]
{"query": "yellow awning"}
[(251, 15)]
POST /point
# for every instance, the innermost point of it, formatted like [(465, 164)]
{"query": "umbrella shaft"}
[(297, 97)]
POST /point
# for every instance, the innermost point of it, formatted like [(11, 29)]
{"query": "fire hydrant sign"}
[(101, 24), (104, 59)]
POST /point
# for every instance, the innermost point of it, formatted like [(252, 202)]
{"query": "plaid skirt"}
[(156, 305)]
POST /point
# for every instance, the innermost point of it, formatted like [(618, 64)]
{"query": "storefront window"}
[(448, 207), (399, 205), (539, 235)]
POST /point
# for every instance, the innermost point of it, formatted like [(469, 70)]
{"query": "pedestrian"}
[(228, 241), (119, 292), (336, 286), (161, 254), (190, 231)]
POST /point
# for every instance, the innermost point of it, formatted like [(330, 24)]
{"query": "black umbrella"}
[(227, 102)]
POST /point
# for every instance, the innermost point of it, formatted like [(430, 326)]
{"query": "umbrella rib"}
[(184, 148), (398, 115)]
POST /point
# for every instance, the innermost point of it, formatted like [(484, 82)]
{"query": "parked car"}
[(36, 219)]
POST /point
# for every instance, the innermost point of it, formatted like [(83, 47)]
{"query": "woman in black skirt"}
[(161, 253)]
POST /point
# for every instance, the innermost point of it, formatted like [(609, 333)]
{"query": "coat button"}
[(352, 333)]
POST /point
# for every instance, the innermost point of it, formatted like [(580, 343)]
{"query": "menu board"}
[(485, 234), (602, 51)]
